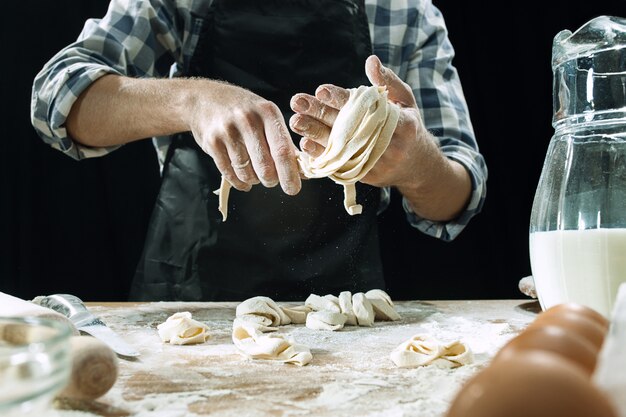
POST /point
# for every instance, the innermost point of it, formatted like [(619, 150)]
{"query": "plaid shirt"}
[(157, 38)]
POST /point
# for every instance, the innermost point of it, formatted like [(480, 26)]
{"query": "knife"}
[(73, 308)]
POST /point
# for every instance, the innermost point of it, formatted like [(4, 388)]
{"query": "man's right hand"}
[(245, 134)]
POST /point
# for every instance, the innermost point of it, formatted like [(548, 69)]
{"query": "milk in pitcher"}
[(583, 266)]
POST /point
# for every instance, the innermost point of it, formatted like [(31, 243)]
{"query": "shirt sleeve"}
[(135, 38), (439, 94), (421, 53)]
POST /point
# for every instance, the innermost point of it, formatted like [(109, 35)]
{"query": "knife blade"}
[(74, 308)]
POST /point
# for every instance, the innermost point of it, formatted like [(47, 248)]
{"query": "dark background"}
[(78, 227)]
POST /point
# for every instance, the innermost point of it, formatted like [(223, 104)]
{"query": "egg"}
[(579, 309), (579, 324), (532, 383), (551, 338)]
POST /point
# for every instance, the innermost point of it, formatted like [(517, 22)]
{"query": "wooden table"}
[(350, 374)]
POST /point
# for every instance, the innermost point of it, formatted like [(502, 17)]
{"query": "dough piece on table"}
[(383, 306), (262, 312), (345, 304), (261, 323), (273, 347), (423, 349), (181, 329), (297, 314), (326, 303), (527, 286), (325, 320), (360, 135), (363, 309)]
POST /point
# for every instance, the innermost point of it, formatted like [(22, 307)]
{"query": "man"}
[(240, 71)]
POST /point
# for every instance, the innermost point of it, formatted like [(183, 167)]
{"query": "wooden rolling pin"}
[(94, 369), (94, 365), (11, 306)]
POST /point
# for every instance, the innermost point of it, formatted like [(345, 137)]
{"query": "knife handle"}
[(66, 304)]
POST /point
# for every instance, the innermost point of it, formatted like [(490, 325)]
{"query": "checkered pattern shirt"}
[(157, 38)]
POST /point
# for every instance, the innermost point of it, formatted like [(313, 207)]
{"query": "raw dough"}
[(359, 309), (329, 312), (383, 306), (326, 303), (527, 286), (256, 345), (359, 136), (345, 304), (363, 309), (423, 349), (297, 314), (262, 313), (325, 320), (181, 329)]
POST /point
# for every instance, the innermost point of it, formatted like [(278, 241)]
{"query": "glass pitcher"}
[(578, 222)]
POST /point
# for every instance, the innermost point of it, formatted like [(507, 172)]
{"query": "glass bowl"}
[(34, 364)]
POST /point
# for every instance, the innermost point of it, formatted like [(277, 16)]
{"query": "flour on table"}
[(181, 329)]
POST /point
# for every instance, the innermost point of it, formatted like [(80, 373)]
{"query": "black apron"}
[(280, 246)]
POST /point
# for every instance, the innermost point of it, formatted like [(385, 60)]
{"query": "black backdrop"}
[(78, 227)]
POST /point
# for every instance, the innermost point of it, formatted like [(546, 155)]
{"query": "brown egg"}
[(532, 383), (580, 324), (558, 340), (579, 309)]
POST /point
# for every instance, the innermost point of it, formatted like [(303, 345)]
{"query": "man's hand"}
[(246, 136), (410, 146), (436, 187), (244, 133)]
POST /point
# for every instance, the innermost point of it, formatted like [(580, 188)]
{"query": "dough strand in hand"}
[(359, 137)]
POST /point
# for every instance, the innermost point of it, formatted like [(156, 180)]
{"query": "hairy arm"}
[(233, 125)]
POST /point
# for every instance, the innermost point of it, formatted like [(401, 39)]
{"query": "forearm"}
[(115, 110), (441, 192)]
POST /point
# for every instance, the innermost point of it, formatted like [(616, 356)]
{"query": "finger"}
[(311, 106), (311, 147), (261, 161), (312, 128), (398, 91), (282, 149), (331, 95), (239, 157), (222, 161)]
